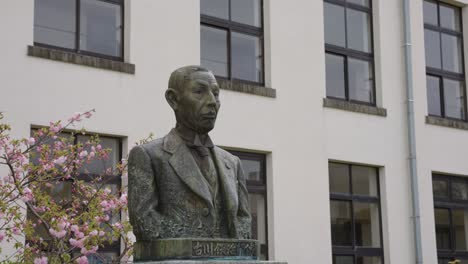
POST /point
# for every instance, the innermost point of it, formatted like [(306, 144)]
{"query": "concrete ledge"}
[(79, 59), (445, 122), (239, 86), (354, 107)]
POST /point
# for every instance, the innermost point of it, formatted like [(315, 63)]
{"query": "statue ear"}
[(172, 98)]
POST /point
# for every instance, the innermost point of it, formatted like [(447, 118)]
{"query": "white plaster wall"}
[(297, 132)]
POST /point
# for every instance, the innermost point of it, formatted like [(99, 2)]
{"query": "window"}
[(451, 217), (355, 214), (349, 54), (444, 60), (255, 173), (232, 39), (88, 172), (90, 27)]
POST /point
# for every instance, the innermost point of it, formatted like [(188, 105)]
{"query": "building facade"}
[(313, 101)]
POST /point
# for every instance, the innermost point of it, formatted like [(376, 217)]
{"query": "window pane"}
[(54, 22), (334, 24), (343, 260), (102, 257), (361, 85), (432, 48), (369, 260), (246, 57), (359, 32), (258, 212), (341, 223), (433, 95), (364, 180), (252, 169), (359, 2), (335, 75), (367, 224), (216, 8), (443, 261), (339, 178), (450, 17), (454, 98), (214, 50), (460, 220), (451, 53), (442, 222), (459, 190), (246, 12), (101, 27), (440, 189), (430, 13), (98, 166)]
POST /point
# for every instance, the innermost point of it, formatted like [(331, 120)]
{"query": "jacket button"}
[(206, 212)]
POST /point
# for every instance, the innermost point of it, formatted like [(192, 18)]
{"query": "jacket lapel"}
[(185, 166)]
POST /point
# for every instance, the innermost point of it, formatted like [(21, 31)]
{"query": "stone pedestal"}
[(196, 249)]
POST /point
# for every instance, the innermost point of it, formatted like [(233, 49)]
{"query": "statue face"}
[(198, 103)]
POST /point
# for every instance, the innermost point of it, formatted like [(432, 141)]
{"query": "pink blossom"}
[(82, 260), (2, 236), (42, 260), (27, 195), (60, 160), (55, 128), (74, 228), (93, 233), (83, 154), (99, 147), (88, 114), (31, 141), (79, 234), (123, 199), (77, 243), (118, 225), (57, 234), (75, 117), (91, 155), (15, 230), (102, 233), (86, 251)]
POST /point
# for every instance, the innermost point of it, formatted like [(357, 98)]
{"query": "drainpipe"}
[(412, 134)]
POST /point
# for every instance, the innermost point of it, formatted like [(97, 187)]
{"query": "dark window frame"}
[(450, 204), (77, 49), (442, 74), (357, 251), (257, 187), (354, 54), (115, 246), (232, 26)]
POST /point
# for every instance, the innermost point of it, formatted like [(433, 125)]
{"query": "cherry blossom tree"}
[(58, 229)]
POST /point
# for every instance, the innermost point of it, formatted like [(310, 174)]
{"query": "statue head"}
[(193, 94)]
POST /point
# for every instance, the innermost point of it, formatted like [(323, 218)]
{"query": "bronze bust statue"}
[(181, 185)]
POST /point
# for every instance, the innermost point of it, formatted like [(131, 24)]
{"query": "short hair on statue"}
[(180, 76)]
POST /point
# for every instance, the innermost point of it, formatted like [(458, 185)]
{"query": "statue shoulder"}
[(227, 155)]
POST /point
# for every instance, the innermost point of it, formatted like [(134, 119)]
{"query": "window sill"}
[(445, 122), (239, 86), (354, 107), (79, 59)]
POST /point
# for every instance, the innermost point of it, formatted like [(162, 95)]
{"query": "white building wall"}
[(296, 131)]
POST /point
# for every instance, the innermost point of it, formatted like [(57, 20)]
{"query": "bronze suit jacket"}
[(169, 198)]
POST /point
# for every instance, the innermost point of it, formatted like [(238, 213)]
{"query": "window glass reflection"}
[(442, 221), (432, 48), (358, 27), (430, 13), (246, 12), (343, 259), (339, 178), (215, 8), (433, 95), (334, 24), (98, 165), (450, 17), (369, 260), (454, 98), (258, 212), (252, 169), (460, 221), (367, 224), (341, 225), (361, 84), (335, 76), (459, 190), (101, 27), (246, 57), (214, 53), (451, 53), (54, 22), (364, 180)]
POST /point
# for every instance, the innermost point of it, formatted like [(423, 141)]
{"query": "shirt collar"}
[(192, 138)]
